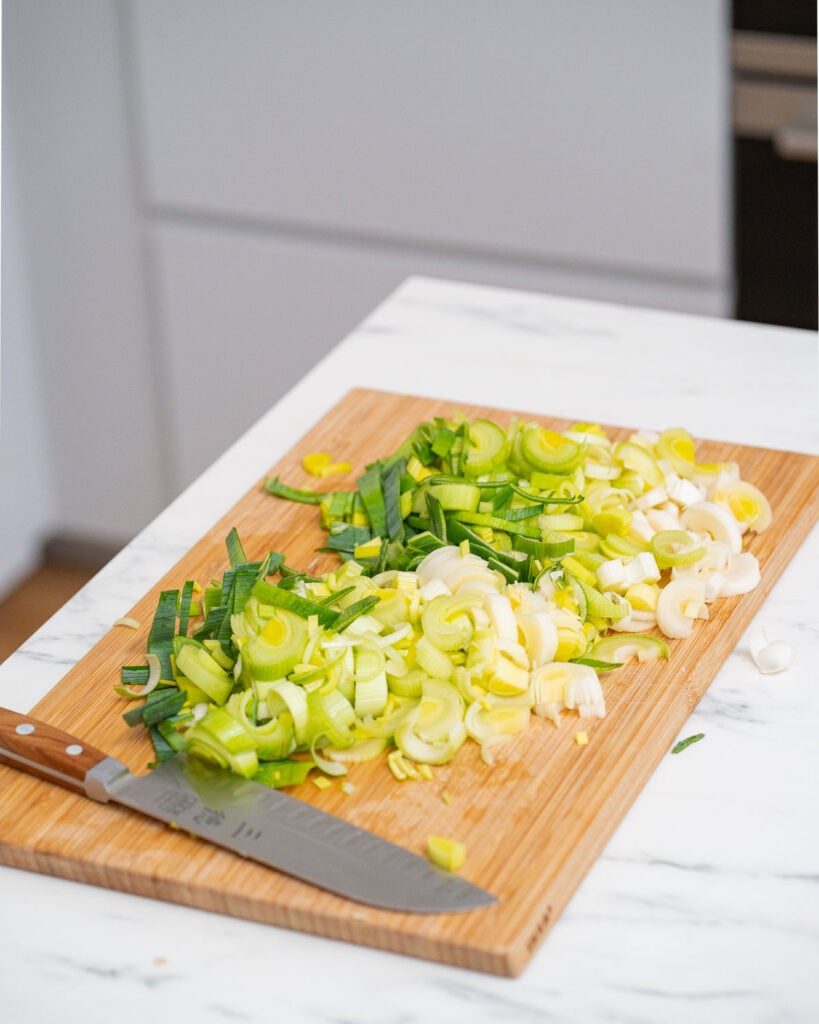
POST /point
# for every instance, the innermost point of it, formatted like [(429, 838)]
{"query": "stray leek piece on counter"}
[(488, 577), (687, 742)]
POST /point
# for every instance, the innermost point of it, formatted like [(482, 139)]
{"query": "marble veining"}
[(703, 907)]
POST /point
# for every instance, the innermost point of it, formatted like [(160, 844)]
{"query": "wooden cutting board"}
[(533, 824)]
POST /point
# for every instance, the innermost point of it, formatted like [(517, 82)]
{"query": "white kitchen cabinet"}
[(245, 316), (300, 160), (210, 193), (591, 134)]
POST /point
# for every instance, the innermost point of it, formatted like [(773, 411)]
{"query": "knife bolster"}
[(100, 779)]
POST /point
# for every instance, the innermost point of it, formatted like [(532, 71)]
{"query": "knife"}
[(247, 817)]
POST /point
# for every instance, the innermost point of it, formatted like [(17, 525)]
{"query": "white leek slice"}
[(540, 635), (708, 517), (384, 726), (643, 597), (364, 624), (646, 438), (478, 586), (397, 578), (546, 585), (656, 496), (401, 633), (439, 712), (506, 678), (741, 576), (612, 575), (462, 679), (572, 639), (640, 529), (678, 599), (525, 601), (712, 474), (407, 685), (366, 749), (501, 615), (637, 622), (446, 621), (282, 695), (371, 695), (472, 574), (715, 559), (683, 492), (434, 588), (485, 720), (455, 569), (481, 650), (370, 661), (714, 584), (769, 657), (776, 657), (326, 764), (584, 692), (514, 651), (660, 519), (565, 684), (642, 568), (434, 731), (428, 568), (710, 568), (433, 660)]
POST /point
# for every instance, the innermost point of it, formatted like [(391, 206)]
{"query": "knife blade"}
[(246, 817)]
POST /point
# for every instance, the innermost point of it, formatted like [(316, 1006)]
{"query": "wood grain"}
[(533, 825)]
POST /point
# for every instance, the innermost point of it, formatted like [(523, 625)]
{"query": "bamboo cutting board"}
[(533, 825)]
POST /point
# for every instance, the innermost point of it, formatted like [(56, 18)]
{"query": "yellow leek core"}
[(446, 853), (321, 464)]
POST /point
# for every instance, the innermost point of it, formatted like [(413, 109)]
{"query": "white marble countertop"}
[(705, 904)]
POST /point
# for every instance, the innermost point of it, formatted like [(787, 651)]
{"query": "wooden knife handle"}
[(49, 753)]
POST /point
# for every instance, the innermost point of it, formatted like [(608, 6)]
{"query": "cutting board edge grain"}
[(339, 927), (365, 425)]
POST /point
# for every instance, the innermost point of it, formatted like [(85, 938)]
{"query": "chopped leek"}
[(485, 574), (769, 656), (283, 773), (677, 748), (446, 853), (280, 490)]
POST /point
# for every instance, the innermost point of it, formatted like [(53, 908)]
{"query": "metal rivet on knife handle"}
[(44, 751)]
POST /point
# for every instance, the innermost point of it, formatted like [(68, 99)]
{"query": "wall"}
[(26, 487)]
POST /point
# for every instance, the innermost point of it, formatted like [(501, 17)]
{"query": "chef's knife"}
[(246, 817)]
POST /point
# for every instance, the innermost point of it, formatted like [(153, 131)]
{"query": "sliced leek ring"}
[(709, 517), (641, 647), (677, 446), (746, 503), (677, 599), (549, 451), (433, 731), (486, 447)]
